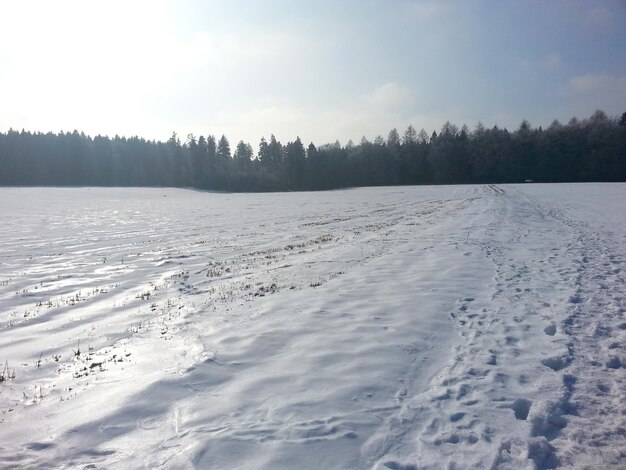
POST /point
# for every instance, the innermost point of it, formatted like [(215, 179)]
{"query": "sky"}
[(323, 70)]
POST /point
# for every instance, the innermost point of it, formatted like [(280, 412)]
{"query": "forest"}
[(592, 149)]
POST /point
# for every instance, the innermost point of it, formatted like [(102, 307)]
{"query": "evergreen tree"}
[(243, 154), (264, 155), (296, 160), (592, 149), (393, 139), (410, 136), (223, 148)]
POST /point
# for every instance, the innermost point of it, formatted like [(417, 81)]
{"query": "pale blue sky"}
[(323, 70)]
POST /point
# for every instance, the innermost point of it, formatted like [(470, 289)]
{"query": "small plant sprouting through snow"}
[(144, 295), (273, 288), (6, 373), (77, 352), (214, 272)]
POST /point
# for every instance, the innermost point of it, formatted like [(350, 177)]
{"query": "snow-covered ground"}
[(389, 328)]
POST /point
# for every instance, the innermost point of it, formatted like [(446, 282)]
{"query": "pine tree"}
[(295, 159), (410, 136), (393, 139), (223, 148)]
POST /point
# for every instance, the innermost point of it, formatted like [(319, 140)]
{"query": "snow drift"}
[(390, 328)]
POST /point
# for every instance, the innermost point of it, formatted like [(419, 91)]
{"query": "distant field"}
[(395, 327)]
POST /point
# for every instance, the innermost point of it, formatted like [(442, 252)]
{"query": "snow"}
[(389, 328)]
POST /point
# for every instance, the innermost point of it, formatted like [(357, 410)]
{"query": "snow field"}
[(419, 327)]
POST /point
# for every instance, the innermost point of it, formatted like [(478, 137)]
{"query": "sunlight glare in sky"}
[(333, 70)]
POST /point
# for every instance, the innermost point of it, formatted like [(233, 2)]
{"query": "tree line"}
[(592, 149)]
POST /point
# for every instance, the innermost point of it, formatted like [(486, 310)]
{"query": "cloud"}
[(584, 94), (389, 97), (590, 84), (373, 113), (317, 124)]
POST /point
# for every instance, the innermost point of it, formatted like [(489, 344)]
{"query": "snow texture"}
[(478, 327)]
